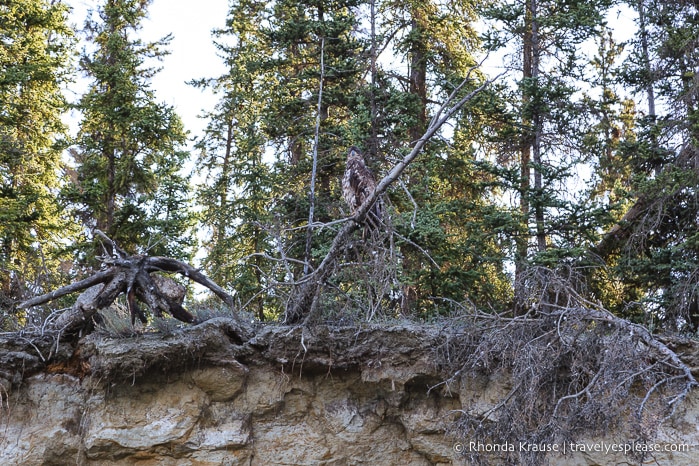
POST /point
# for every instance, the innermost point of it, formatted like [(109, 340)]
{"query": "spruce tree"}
[(257, 207), (130, 148), (35, 45), (441, 220), (656, 240), (543, 137), (254, 205), (235, 193)]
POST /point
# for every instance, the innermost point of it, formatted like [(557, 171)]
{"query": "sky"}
[(193, 54)]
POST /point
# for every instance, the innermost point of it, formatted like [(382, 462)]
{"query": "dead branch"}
[(646, 213), (99, 277), (303, 302), (580, 370)]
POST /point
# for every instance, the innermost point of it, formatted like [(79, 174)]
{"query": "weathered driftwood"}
[(134, 276)]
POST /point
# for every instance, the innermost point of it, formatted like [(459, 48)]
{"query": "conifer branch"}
[(304, 301)]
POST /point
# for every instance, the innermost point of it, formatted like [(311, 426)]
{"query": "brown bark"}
[(418, 75), (417, 86), (530, 149)]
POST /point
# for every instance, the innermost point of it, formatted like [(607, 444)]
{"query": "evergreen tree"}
[(34, 55), (235, 196), (269, 106), (129, 152), (610, 127), (299, 33), (546, 123), (437, 214), (656, 239), (270, 100)]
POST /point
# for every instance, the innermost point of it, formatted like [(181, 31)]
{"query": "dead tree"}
[(304, 301), (134, 276)]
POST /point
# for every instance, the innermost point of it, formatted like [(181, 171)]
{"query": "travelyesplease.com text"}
[(570, 447)]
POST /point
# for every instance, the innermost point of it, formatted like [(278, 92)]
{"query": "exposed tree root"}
[(133, 276)]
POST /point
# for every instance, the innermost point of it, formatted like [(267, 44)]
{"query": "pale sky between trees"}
[(193, 55), (192, 52)]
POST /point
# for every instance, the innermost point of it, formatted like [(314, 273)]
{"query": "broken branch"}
[(302, 304)]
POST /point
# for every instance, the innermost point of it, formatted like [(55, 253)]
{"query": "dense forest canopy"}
[(579, 167)]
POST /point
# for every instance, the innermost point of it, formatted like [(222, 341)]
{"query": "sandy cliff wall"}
[(317, 397)]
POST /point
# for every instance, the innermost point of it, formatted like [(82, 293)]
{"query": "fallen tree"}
[(135, 276)]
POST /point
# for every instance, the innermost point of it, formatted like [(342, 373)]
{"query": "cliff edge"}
[(379, 395)]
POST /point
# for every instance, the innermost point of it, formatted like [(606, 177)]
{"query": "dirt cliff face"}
[(288, 396)]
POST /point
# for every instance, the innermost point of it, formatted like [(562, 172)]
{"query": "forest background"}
[(579, 165)]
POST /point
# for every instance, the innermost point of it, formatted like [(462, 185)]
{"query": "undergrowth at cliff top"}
[(576, 369)]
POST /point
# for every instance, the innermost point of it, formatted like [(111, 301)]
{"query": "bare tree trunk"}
[(650, 93), (418, 74), (314, 170), (220, 228), (537, 125), (522, 242), (374, 143), (418, 89), (295, 146), (531, 148)]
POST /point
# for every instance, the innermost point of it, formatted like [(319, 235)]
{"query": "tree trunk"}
[(220, 228), (418, 89), (418, 75), (302, 305), (321, 115), (650, 93), (522, 242), (373, 144), (537, 121)]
